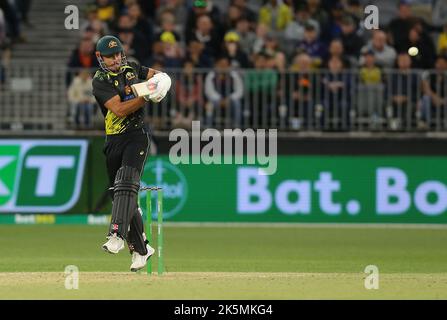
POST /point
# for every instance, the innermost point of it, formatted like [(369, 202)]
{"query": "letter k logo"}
[(4, 161)]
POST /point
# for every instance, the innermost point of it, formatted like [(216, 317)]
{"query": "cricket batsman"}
[(121, 90)]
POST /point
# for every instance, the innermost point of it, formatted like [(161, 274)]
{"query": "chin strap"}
[(123, 66)]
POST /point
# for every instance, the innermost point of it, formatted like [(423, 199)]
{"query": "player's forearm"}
[(127, 107)]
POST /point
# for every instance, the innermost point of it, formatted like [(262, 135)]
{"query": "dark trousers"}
[(129, 149), (23, 6)]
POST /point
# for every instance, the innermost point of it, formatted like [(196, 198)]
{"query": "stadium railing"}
[(34, 97)]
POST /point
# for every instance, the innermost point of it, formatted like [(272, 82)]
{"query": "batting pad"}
[(125, 203)]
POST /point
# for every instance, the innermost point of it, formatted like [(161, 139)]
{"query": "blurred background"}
[(295, 65), (308, 68)]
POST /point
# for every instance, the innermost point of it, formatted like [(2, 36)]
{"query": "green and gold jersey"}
[(106, 85)]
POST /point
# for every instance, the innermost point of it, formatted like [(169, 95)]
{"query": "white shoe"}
[(114, 245), (139, 261)]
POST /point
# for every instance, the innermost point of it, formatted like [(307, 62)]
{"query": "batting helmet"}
[(108, 46)]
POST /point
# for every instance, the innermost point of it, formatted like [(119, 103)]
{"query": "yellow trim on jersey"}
[(114, 124), (110, 73)]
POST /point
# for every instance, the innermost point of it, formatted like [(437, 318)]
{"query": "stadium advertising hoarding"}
[(54, 176), (41, 176), (400, 189)]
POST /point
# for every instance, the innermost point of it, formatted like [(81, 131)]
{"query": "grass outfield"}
[(244, 262)]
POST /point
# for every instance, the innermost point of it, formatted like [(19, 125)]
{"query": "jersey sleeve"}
[(103, 91), (141, 71)]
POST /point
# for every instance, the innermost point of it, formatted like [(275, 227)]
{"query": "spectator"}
[(231, 18), (189, 89), (369, 72), (157, 53), (312, 46), (148, 7), (352, 43), (300, 63), (82, 57), (140, 23), (223, 89), (94, 24), (302, 83), (198, 56), (370, 91), (168, 24), (82, 100), (172, 52), (232, 50), (442, 41), (178, 9), (404, 92), (276, 58), (125, 22), (261, 34), (426, 49), (385, 54), (336, 49), (399, 27), (334, 27), (317, 13), (137, 46), (206, 34), (355, 10), (106, 10), (275, 14), (295, 29), (336, 96), (200, 8), (246, 12), (434, 85), (246, 36), (261, 86)]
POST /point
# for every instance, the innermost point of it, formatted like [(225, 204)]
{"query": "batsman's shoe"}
[(139, 261), (114, 244)]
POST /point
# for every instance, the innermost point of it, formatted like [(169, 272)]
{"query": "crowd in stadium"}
[(171, 32), (275, 38)]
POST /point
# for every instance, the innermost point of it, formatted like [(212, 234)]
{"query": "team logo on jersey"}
[(113, 44), (116, 83), (130, 76)]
